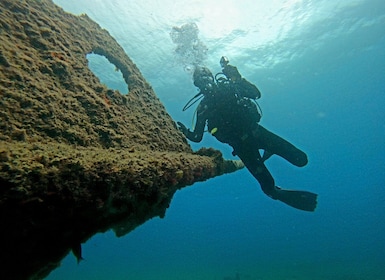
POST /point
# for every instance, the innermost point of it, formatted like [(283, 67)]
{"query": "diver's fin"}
[(301, 200)]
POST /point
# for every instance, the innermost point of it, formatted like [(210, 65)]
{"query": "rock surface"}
[(77, 158)]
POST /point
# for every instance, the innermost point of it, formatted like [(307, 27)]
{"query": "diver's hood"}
[(203, 78)]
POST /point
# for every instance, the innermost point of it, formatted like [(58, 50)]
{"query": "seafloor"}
[(77, 158)]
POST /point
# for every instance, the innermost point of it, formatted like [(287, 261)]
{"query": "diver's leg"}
[(252, 159), (253, 162), (279, 146)]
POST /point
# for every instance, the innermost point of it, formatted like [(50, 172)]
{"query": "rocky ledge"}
[(77, 158)]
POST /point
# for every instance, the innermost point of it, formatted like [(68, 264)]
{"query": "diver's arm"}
[(247, 89), (197, 134), (242, 86)]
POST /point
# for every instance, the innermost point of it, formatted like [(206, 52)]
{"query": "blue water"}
[(320, 66)]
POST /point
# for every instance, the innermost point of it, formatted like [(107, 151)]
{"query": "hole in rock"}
[(107, 73)]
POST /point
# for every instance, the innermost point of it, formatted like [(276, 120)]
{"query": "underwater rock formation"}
[(77, 158)]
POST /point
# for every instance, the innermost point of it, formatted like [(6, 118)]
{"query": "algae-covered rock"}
[(77, 158)]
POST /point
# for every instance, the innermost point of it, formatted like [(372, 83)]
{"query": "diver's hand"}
[(231, 72), (182, 128)]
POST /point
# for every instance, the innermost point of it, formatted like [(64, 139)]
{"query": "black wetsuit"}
[(233, 118)]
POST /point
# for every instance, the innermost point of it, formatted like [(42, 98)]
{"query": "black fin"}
[(302, 200)]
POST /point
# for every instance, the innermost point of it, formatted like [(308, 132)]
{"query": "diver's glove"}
[(182, 128), (231, 72)]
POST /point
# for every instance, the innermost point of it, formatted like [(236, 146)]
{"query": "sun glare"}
[(219, 20), (256, 22)]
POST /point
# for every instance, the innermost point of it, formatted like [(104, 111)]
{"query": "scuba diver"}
[(228, 107)]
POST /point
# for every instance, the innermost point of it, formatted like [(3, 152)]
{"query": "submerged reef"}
[(77, 158)]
